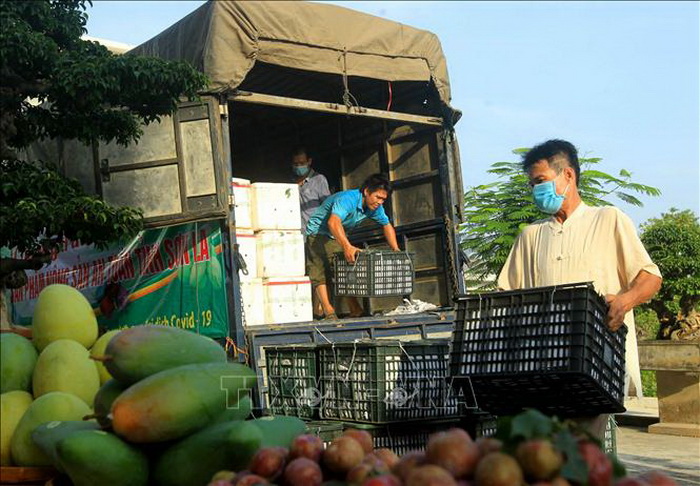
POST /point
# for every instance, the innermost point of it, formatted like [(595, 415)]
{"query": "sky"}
[(620, 80)]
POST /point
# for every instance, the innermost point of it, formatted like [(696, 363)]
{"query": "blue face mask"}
[(546, 197), (301, 170)]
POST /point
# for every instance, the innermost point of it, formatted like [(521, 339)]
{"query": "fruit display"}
[(528, 449), (127, 407), (162, 406)]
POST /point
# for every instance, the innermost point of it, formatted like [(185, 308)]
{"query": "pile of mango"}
[(147, 405)]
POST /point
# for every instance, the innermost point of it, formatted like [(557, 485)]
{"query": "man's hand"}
[(617, 310), (350, 253)]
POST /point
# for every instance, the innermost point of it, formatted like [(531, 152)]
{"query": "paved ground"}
[(679, 457), (640, 451)]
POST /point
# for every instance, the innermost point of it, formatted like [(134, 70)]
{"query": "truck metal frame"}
[(180, 170)]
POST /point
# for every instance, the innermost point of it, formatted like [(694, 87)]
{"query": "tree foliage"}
[(673, 242), (54, 84), (33, 193), (80, 89), (495, 213)]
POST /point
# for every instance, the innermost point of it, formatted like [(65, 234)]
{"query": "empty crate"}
[(292, 377), (326, 430), (547, 348), (386, 381), (375, 273)]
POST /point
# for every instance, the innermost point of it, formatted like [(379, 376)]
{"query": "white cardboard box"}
[(240, 198), (275, 206), (253, 302), (248, 248), (280, 253), (287, 299)]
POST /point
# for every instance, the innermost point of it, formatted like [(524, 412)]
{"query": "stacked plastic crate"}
[(376, 385)]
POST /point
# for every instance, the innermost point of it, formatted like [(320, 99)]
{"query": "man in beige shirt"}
[(580, 243)]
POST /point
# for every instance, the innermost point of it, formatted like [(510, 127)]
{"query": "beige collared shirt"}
[(598, 244)]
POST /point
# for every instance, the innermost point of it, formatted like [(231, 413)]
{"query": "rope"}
[(322, 335), (346, 86), (231, 344), (352, 360), (391, 97), (453, 272)]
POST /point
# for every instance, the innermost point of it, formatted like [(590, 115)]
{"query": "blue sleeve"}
[(343, 206), (380, 216)]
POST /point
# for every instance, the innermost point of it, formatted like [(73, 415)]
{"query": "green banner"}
[(167, 277)]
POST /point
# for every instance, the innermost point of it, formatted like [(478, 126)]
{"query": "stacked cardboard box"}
[(276, 289)]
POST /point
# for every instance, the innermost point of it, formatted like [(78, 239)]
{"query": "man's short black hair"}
[(375, 182), (553, 151), (299, 150)]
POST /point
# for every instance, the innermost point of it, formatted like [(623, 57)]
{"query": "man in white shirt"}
[(313, 186), (313, 190), (581, 243)]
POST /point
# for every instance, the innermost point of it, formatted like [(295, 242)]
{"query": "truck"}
[(365, 94)]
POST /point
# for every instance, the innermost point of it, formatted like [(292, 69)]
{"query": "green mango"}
[(96, 457), (46, 408), (47, 435), (62, 312), (65, 365), (98, 349), (196, 458), (17, 360), (279, 430), (141, 351), (238, 411), (13, 404), (178, 401), (104, 399)]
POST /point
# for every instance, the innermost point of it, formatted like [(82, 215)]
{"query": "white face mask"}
[(301, 170)]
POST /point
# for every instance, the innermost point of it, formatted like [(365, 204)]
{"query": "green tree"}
[(673, 242), (55, 84), (495, 213)]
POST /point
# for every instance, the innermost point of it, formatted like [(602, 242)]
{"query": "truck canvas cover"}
[(224, 39)]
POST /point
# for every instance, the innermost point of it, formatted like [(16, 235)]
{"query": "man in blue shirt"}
[(325, 233)]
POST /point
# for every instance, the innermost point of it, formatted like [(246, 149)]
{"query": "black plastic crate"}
[(403, 438), (479, 423), (292, 375), (326, 430), (375, 273), (547, 348), (383, 381)]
